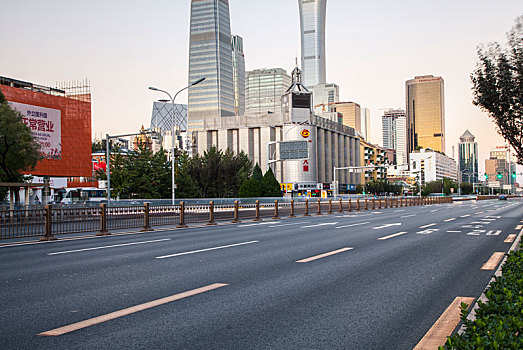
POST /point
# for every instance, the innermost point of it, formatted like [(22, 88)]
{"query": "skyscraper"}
[(238, 75), (264, 90), (210, 56), (312, 25), (425, 100), (468, 158), (324, 95), (394, 124), (351, 114), (365, 123)]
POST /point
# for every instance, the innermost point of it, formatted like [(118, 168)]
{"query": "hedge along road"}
[(359, 292)]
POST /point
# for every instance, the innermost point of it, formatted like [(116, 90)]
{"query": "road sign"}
[(494, 184), (507, 187), (291, 150)]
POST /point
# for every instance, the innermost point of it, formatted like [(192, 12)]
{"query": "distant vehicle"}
[(78, 195), (502, 197)]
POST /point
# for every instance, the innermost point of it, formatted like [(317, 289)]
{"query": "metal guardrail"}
[(49, 221)]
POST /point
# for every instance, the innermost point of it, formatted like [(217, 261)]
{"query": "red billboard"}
[(61, 125)]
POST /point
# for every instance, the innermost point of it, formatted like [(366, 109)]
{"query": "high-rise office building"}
[(468, 158), (425, 100), (210, 56), (323, 96), (365, 123), (238, 75), (312, 25), (264, 89), (351, 114), (394, 123)]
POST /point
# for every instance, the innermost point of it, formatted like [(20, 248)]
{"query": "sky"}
[(373, 47)]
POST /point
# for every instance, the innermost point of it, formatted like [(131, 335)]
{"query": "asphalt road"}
[(368, 294)]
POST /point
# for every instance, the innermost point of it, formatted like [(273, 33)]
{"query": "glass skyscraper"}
[(238, 75), (265, 88), (394, 124), (468, 158), (210, 56), (425, 100), (312, 25)]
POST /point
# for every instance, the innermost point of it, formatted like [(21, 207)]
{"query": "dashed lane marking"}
[(493, 262), (113, 315), (108, 246), (429, 225), (511, 238), (261, 224), (206, 250), (294, 224), (324, 255), (392, 236), (454, 231), (479, 213), (465, 216), (444, 326), (318, 225), (428, 231), (449, 220), (408, 216), (358, 224)]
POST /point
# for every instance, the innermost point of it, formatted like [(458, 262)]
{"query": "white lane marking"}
[(392, 236), (376, 212), (433, 211), (260, 223), (108, 246), (454, 231), (318, 225), (479, 212), (519, 227), (465, 216), (476, 232), (294, 224), (399, 211), (429, 225), (387, 225), (321, 256), (358, 224), (493, 233), (449, 220), (480, 222), (428, 232), (408, 216), (206, 250)]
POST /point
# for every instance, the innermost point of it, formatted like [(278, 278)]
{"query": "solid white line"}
[(449, 220), (108, 246), (359, 224), (205, 250), (317, 225), (429, 225), (408, 216), (392, 236)]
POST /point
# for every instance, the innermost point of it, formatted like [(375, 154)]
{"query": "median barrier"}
[(276, 216), (319, 207)]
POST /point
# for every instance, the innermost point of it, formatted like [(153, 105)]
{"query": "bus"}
[(77, 195)]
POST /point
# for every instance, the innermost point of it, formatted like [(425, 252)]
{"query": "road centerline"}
[(131, 310), (108, 246), (324, 255), (206, 250)]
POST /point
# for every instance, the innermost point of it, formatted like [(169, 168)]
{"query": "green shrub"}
[(499, 322)]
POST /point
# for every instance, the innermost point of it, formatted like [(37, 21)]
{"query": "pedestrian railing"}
[(50, 221)]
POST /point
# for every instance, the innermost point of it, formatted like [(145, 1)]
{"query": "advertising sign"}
[(45, 125)]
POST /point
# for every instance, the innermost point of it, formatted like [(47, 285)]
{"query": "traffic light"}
[(514, 175), (500, 176), (486, 177)]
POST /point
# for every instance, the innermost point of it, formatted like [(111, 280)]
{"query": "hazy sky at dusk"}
[(373, 47)]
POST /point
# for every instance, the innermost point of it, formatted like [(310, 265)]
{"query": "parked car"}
[(502, 197)]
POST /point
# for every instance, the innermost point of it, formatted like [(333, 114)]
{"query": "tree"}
[(498, 86), (19, 152), (270, 186)]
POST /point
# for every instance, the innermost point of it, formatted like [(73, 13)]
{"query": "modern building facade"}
[(429, 165), (365, 123), (264, 89), (210, 56), (394, 124), (238, 75), (324, 96), (312, 28), (468, 158), (425, 101), (162, 116), (351, 114)]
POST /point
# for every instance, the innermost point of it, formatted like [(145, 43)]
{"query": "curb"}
[(483, 298)]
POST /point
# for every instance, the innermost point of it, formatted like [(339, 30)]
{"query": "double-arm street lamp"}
[(173, 125)]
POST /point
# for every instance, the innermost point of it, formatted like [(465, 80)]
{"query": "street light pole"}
[(173, 184)]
